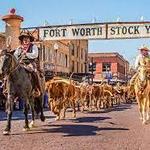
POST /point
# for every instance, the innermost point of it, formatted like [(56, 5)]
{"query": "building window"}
[(81, 68), (106, 67), (77, 67), (66, 60), (77, 51), (72, 49), (43, 52), (81, 53), (50, 55), (121, 68), (72, 66)]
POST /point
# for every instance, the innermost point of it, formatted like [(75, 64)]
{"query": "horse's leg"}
[(42, 117), (26, 109), (9, 110), (147, 108), (144, 110), (32, 123)]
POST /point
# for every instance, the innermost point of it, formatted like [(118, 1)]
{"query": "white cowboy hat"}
[(143, 47)]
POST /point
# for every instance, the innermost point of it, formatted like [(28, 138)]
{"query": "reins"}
[(15, 67)]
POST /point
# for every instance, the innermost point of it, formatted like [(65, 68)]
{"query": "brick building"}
[(65, 56), (109, 65), (55, 56)]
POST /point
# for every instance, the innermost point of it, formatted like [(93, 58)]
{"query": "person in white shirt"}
[(144, 52), (28, 53)]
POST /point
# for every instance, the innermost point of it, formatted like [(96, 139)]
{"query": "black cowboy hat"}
[(26, 35)]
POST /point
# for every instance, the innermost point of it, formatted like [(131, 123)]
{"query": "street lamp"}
[(56, 46), (91, 65)]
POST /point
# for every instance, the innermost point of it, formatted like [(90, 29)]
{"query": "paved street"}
[(116, 129)]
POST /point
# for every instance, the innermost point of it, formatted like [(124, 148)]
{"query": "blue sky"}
[(35, 12)]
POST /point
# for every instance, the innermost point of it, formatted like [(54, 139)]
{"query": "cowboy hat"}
[(143, 47), (26, 35)]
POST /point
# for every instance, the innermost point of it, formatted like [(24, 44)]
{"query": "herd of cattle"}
[(65, 93)]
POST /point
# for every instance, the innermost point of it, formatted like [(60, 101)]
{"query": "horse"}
[(142, 90), (20, 83)]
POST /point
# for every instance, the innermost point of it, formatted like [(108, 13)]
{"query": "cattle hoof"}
[(26, 129), (74, 116), (6, 132), (141, 118), (57, 118), (42, 118), (63, 118), (32, 125), (144, 122)]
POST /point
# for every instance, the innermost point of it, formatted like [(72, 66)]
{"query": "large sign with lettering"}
[(128, 30), (119, 30), (73, 32)]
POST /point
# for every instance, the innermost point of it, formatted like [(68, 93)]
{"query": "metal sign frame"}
[(36, 30)]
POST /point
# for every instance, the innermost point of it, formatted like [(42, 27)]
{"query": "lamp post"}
[(56, 46), (91, 64)]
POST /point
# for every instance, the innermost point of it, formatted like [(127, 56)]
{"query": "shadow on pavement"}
[(90, 119), (73, 130), (121, 107)]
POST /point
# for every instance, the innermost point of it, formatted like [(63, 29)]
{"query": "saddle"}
[(35, 80)]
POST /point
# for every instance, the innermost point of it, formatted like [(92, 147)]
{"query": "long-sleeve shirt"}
[(30, 55), (138, 59)]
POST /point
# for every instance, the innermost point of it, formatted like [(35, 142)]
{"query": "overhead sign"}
[(130, 30), (119, 30), (73, 32)]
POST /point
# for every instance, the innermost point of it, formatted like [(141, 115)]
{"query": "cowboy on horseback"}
[(144, 54), (20, 82), (27, 54)]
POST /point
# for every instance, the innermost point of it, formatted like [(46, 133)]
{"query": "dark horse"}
[(20, 83)]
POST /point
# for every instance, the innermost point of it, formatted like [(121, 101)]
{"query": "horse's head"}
[(7, 62)]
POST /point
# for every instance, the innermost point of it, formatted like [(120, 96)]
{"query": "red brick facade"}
[(109, 63)]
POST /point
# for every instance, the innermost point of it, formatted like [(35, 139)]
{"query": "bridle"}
[(13, 62)]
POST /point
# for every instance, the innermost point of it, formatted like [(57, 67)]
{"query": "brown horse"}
[(20, 83), (142, 90)]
